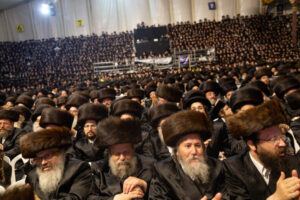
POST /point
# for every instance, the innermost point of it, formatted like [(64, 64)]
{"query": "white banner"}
[(163, 61)]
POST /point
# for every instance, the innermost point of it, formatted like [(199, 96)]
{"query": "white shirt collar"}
[(262, 170)]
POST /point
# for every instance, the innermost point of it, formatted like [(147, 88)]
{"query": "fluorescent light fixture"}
[(45, 9)]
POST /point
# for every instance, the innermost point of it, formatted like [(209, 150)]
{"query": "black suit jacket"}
[(243, 180), (75, 184), (171, 183), (107, 185), (12, 143)]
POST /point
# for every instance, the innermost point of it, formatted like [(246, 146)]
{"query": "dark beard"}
[(273, 162), (92, 138)]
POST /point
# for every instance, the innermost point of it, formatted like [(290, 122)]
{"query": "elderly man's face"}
[(191, 156), (122, 159), (5, 127), (211, 96), (47, 159), (90, 129)]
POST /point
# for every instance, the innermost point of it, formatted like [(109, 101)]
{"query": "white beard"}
[(122, 171), (195, 171), (49, 180)]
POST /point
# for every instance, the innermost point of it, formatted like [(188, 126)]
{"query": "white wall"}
[(111, 15)]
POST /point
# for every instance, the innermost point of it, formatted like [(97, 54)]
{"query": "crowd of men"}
[(215, 131)]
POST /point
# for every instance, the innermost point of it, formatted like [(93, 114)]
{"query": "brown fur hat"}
[(244, 96), (107, 93), (32, 143), (253, 120), (25, 100), (94, 94), (195, 96), (62, 100), (158, 112), (293, 105), (23, 111), (135, 92), (183, 123), (90, 111), (285, 85), (114, 130), (44, 100), (10, 115), (211, 86), (171, 94), (38, 111), (127, 106), (76, 100), (57, 117)]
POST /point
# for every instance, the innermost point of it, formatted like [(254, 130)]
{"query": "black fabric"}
[(107, 185), (295, 126), (11, 145), (171, 183), (243, 180), (76, 182)]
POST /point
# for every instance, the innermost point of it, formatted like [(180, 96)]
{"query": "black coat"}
[(170, 182), (295, 126), (243, 180), (12, 143), (107, 185), (86, 151), (75, 184)]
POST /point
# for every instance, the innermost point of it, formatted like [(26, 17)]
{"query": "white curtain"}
[(160, 12), (19, 16), (249, 7), (3, 28), (46, 26), (201, 10), (75, 10), (182, 10), (226, 7)]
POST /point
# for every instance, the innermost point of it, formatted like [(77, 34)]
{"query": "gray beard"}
[(197, 171), (49, 180), (5, 134), (123, 171)]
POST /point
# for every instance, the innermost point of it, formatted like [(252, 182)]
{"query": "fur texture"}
[(243, 96), (114, 130), (107, 93), (23, 111), (183, 123), (135, 92), (211, 86), (285, 85), (76, 100), (127, 106), (90, 111), (253, 120), (10, 115), (158, 112), (38, 111), (195, 96), (26, 100), (32, 143), (57, 117), (169, 93)]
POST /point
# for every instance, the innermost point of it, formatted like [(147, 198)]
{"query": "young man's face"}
[(89, 129), (5, 127)]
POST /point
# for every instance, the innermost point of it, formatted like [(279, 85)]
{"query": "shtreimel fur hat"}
[(127, 106), (90, 111), (171, 94), (32, 143), (114, 130), (258, 118), (183, 123), (55, 116)]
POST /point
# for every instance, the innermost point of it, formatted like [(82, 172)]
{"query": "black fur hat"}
[(158, 112), (10, 115), (56, 117), (44, 100), (285, 85), (76, 100), (127, 106), (211, 86), (183, 123), (25, 100), (114, 130), (255, 119), (107, 93), (135, 92), (23, 111), (171, 94), (195, 96), (244, 96), (62, 100), (38, 111), (293, 103), (32, 143), (90, 111)]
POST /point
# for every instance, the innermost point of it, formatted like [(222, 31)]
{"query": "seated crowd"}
[(213, 131)]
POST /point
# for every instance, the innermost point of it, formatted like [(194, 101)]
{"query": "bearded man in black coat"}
[(265, 171), (189, 173), (124, 175), (54, 175)]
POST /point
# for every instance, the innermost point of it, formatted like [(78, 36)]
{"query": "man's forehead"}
[(46, 151), (120, 147), (269, 132), (193, 137)]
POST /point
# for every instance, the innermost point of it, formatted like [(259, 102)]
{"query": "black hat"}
[(160, 111), (285, 85), (90, 111), (171, 94), (62, 100), (44, 100), (244, 96), (211, 86), (23, 111), (25, 100), (76, 100), (127, 106), (10, 115), (261, 86), (38, 111), (107, 93), (135, 92), (293, 103), (195, 96)]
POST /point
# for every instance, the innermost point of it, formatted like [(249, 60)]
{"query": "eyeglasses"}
[(90, 126), (46, 157), (275, 140)]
